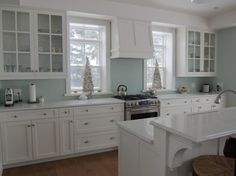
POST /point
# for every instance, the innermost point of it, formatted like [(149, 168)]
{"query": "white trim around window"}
[(170, 77), (105, 62)]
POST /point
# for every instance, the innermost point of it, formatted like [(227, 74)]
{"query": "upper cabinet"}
[(131, 39), (196, 53), (32, 44)]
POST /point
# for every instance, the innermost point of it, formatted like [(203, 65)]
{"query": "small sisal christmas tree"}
[(156, 82), (88, 81)]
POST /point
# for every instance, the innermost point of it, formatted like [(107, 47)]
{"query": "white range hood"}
[(131, 39)]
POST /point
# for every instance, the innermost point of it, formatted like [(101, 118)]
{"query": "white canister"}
[(32, 93), (206, 88)]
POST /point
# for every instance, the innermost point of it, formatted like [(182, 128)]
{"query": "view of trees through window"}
[(85, 41), (159, 43)]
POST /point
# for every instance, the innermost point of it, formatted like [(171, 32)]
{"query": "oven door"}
[(141, 113)]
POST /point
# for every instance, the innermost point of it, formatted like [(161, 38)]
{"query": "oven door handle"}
[(141, 111)]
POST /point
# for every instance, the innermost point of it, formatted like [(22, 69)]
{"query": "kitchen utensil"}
[(9, 97), (122, 90)]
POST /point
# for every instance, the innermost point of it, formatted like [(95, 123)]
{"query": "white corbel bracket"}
[(176, 148)]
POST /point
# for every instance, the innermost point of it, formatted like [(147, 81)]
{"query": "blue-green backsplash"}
[(123, 71)]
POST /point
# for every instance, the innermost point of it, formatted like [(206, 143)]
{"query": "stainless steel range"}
[(140, 106)]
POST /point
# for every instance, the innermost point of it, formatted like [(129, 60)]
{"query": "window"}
[(88, 39), (163, 42)]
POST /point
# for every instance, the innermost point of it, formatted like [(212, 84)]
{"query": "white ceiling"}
[(207, 9)]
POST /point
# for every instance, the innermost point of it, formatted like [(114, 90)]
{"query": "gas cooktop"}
[(135, 97)]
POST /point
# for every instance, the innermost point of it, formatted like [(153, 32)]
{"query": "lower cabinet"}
[(27, 140), (16, 141), (28, 135), (45, 135), (67, 135), (95, 141)]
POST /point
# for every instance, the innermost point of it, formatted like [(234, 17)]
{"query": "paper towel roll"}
[(32, 93)]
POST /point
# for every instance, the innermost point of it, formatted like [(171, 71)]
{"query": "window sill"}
[(79, 93)]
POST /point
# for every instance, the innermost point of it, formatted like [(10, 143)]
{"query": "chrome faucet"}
[(218, 98)]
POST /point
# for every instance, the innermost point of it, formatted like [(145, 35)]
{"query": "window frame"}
[(172, 66), (105, 63)]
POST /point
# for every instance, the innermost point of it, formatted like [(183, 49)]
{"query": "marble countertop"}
[(140, 128), (58, 104), (190, 95), (202, 126)]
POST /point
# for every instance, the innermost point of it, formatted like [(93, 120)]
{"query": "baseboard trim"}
[(58, 158)]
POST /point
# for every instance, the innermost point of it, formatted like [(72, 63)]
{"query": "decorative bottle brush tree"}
[(156, 83), (88, 81)]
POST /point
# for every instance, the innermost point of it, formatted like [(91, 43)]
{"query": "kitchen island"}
[(165, 146)]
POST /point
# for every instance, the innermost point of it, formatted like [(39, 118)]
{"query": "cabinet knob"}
[(15, 116), (185, 102), (112, 108), (71, 121), (86, 123), (112, 138), (44, 114), (86, 142), (168, 114), (33, 125), (112, 120), (168, 103), (185, 112), (28, 126), (197, 100), (86, 110), (65, 112)]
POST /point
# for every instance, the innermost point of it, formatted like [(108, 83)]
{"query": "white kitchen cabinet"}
[(131, 39), (16, 141), (66, 135), (196, 53), (32, 44), (45, 134), (202, 103), (95, 126)]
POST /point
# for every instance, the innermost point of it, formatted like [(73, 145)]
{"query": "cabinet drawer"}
[(203, 100), (202, 108), (97, 141), (65, 112), (98, 122), (35, 114), (176, 110), (86, 110), (175, 102)]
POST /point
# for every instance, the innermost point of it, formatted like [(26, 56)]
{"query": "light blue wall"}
[(123, 71), (227, 61)]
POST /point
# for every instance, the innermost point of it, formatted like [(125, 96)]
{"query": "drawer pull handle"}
[(86, 142), (44, 114), (65, 112), (15, 116), (168, 103), (71, 121), (86, 110), (86, 123), (185, 101), (33, 125), (168, 114), (207, 99), (197, 100), (112, 138), (28, 126), (185, 112), (112, 108), (112, 121)]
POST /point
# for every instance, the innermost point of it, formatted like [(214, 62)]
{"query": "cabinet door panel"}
[(17, 141), (126, 37), (45, 138), (143, 36), (66, 135)]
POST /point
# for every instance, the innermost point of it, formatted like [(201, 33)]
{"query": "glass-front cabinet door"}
[(16, 43), (201, 50), (49, 43), (209, 52)]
